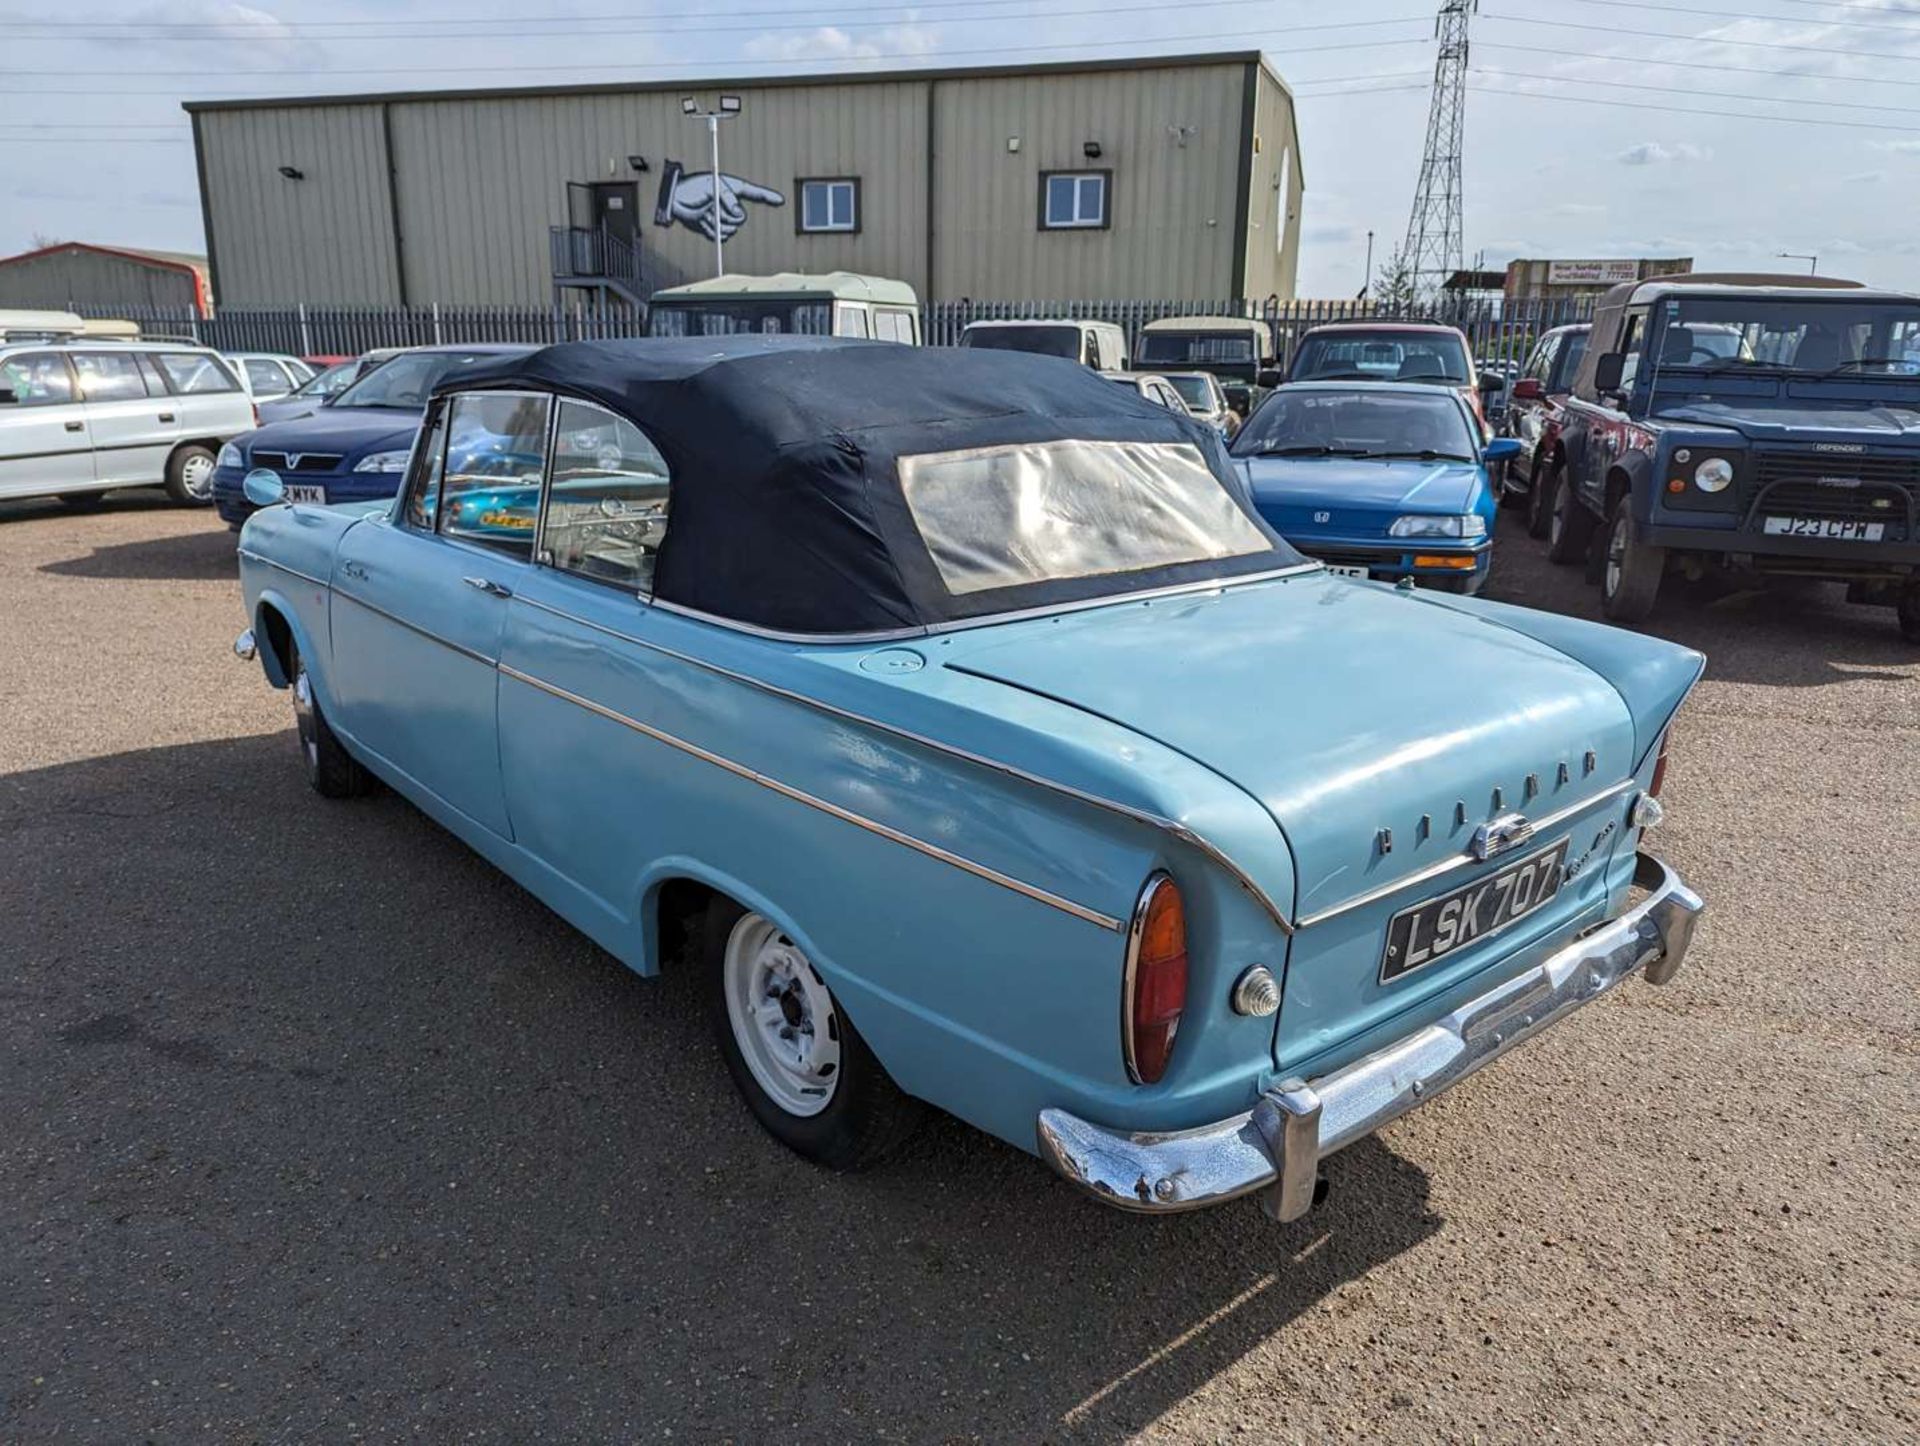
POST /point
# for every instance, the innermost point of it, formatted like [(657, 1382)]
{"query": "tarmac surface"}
[(313, 1126)]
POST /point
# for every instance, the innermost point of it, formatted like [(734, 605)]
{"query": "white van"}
[(829, 303), (1099, 344), (78, 418), (18, 325)]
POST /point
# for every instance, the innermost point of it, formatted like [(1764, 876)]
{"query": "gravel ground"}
[(312, 1126)]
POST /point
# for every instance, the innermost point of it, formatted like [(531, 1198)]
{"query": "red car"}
[(1392, 351), (1535, 407)]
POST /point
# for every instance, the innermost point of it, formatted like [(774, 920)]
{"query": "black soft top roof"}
[(787, 509)]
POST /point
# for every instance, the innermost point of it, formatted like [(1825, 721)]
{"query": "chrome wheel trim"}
[(783, 1017), (196, 476), (1616, 553), (306, 720)]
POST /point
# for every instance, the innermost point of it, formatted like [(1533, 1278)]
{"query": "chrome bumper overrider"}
[(1277, 1146), (243, 647)]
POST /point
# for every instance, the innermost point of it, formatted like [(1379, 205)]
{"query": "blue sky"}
[(1727, 130)]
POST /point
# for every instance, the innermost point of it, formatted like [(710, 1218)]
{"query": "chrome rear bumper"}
[(1277, 1146)]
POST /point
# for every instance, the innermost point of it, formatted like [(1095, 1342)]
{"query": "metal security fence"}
[(350, 330), (1499, 330)]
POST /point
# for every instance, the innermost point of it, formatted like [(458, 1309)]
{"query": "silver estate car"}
[(78, 419)]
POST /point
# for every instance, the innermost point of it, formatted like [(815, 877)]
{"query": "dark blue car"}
[(355, 447), (1377, 480)]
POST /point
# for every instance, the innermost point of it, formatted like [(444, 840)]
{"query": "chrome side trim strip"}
[(740, 770), (960, 625), (291, 571), (461, 649), (1457, 861), (1171, 827)]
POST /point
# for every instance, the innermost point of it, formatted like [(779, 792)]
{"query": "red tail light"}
[(1659, 768), (256, 413), (1156, 981)]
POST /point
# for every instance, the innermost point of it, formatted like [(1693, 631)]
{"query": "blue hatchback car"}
[(1377, 480), (354, 448)]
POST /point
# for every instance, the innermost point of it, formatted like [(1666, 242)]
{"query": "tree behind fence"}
[(1498, 329)]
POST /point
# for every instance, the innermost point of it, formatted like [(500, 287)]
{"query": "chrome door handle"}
[(488, 586)]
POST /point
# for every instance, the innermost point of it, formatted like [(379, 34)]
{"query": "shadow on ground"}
[(206, 556), (1793, 634), (314, 1124)]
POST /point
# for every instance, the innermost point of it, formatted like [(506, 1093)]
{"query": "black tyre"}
[(1539, 500), (1569, 524), (190, 475), (331, 770), (84, 501), (794, 1055), (1910, 613), (1631, 570)]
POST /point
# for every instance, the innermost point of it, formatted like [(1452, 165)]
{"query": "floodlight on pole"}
[(729, 108)]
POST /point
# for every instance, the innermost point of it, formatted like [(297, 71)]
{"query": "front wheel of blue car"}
[(796, 1058), (331, 770)]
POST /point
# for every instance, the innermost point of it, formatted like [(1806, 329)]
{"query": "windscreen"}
[(404, 383), (1196, 348), (1194, 391), (1764, 334), (1041, 340), (745, 317), (1364, 422), (1383, 356), (999, 517)]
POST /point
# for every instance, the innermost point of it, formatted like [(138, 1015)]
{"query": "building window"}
[(1076, 200), (831, 203)]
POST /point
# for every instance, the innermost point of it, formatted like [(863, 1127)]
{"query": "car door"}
[(44, 444), (587, 794), (420, 598), (1527, 414), (133, 431)]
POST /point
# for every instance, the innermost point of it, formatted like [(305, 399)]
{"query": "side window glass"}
[(423, 496), (607, 505), (850, 321), (496, 459), (150, 374), (265, 378), (37, 379), (109, 376), (196, 372), (1630, 344)]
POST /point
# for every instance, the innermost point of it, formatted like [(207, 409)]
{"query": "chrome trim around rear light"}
[(1278, 1145)]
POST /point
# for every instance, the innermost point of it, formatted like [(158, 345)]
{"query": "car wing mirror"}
[(1489, 384), (1501, 449), (1269, 378), (1527, 389), (1608, 370), (9, 397), (263, 487)]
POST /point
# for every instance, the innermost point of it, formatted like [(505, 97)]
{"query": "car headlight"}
[(383, 461), (230, 456), (1713, 475), (1471, 524)]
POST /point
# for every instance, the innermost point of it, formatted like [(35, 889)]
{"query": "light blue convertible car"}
[(993, 751)]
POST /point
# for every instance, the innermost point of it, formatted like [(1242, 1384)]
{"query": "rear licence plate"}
[(1341, 571), (1823, 527), (306, 492), (1429, 932)]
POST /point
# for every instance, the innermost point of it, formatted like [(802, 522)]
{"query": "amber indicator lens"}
[(1659, 768), (1159, 981)]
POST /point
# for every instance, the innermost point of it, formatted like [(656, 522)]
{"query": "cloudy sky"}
[(1726, 130)]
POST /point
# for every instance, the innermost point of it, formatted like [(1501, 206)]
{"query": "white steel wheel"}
[(783, 1017)]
